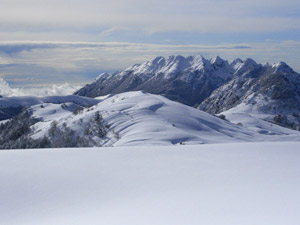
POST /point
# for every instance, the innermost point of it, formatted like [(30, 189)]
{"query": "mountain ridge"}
[(189, 80)]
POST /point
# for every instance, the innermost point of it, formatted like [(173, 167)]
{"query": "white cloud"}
[(154, 16), (7, 91), (52, 90)]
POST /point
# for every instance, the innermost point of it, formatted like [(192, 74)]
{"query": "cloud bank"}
[(53, 90)]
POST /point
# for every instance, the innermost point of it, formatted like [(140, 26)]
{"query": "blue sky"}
[(53, 41)]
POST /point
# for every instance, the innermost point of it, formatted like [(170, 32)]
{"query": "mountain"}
[(273, 95), (127, 119), (188, 80)]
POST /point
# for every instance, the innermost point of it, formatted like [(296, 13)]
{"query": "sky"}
[(52, 42)]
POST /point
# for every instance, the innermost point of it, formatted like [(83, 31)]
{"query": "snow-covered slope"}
[(228, 184), (129, 119), (272, 96), (138, 118)]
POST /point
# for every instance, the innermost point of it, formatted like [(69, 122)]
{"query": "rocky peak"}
[(282, 67), (102, 76), (218, 61)]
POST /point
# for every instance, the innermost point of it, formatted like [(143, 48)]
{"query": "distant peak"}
[(102, 76), (282, 67), (249, 61), (217, 60), (157, 59), (237, 60), (179, 57), (199, 57), (176, 58)]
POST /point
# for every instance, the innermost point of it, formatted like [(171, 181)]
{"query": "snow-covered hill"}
[(129, 119), (138, 118), (228, 184)]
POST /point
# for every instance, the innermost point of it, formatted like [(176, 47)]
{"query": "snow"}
[(252, 118), (169, 66), (228, 184), (217, 61), (142, 118), (242, 67), (261, 126), (138, 118), (173, 65)]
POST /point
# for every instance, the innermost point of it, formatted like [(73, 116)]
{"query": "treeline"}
[(284, 121), (15, 134)]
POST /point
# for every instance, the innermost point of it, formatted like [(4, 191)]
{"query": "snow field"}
[(228, 184)]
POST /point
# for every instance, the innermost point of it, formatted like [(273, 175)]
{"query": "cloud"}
[(53, 90), (19, 47), (7, 91), (159, 16)]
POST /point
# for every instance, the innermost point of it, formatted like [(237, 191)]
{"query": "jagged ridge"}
[(189, 80)]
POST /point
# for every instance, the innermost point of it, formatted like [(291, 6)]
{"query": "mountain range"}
[(214, 85)]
